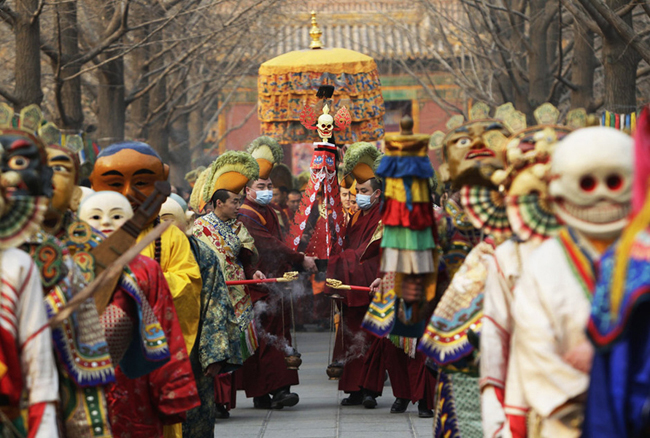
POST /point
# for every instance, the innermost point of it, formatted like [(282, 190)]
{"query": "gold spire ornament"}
[(315, 33)]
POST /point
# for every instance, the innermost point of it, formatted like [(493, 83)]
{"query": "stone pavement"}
[(319, 413)]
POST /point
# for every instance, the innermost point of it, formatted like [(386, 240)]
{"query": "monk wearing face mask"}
[(358, 264), (265, 373)]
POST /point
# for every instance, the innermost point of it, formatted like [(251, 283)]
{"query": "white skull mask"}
[(325, 126), (591, 181)]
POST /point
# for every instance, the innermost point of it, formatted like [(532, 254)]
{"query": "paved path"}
[(319, 413)]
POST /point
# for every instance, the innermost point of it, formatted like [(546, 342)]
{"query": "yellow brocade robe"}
[(183, 276)]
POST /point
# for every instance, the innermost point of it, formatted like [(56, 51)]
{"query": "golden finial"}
[(315, 33)]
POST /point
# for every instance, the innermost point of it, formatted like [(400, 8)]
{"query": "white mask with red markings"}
[(591, 181)]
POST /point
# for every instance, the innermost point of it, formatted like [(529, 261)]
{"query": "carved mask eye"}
[(18, 162)]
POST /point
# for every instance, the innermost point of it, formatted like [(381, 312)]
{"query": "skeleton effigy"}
[(323, 182)]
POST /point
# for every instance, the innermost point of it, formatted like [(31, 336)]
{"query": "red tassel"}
[(641, 161)]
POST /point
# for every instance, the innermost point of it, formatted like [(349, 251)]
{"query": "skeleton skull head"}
[(591, 181), (325, 124)]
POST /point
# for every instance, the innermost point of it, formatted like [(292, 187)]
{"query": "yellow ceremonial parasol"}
[(289, 82)]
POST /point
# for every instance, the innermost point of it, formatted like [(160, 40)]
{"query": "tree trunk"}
[(27, 68), (110, 100), (539, 73), (68, 92), (620, 64), (584, 64), (195, 128), (181, 160), (158, 136), (159, 132), (139, 108)]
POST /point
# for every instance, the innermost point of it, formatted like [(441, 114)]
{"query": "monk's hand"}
[(214, 369), (412, 288), (258, 275), (309, 264), (374, 286), (581, 356)]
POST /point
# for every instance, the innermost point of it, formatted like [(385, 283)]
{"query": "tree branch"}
[(116, 30), (642, 72), (568, 83), (622, 28), (217, 113), (627, 8), (596, 16), (8, 96), (37, 12), (582, 17), (234, 128), (507, 9), (7, 14)]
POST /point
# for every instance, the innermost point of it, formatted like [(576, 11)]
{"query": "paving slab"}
[(319, 413)]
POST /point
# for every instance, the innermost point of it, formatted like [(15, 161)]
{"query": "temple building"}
[(396, 33)]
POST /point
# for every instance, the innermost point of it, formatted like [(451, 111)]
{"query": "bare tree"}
[(507, 50), (622, 25), (24, 20), (165, 66)]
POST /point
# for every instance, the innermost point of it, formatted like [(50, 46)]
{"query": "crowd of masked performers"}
[(504, 293)]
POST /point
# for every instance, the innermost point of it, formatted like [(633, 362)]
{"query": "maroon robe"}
[(266, 371), (358, 265), (275, 257), (140, 407), (409, 377)]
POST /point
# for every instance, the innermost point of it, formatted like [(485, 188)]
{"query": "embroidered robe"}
[(217, 341)]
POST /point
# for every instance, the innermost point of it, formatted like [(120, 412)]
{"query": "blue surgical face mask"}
[(264, 197), (363, 201)]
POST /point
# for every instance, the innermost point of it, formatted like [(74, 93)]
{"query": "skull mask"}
[(325, 125), (591, 181)]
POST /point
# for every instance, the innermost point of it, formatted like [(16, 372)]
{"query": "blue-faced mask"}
[(363, 201), (264, 197)]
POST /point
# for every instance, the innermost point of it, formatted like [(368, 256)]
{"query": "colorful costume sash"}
[(380, 317), (457, 319), (579, 259), (603, 328)]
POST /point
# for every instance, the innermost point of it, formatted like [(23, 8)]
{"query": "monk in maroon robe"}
[(265, 373), (357, 265), (409, 378)]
